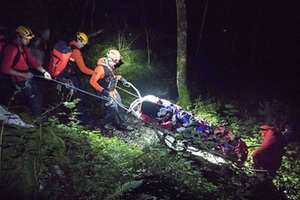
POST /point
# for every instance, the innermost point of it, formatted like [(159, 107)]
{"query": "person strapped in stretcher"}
[(169, 116)]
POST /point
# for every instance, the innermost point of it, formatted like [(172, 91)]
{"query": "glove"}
[(47, 75), (105, 93), (125, 82)]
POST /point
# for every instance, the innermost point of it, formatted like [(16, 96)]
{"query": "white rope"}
[(135, 103)]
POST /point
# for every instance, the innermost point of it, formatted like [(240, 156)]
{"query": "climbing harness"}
[(68, 83)]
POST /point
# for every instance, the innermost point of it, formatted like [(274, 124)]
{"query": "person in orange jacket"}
[(269, 155), (72, 76), (16, 60), (104, 80)]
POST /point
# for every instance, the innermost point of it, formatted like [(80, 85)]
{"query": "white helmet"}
[(114, 55)]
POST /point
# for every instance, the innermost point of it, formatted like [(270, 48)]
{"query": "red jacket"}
[(10, 52), (77, 56), (269, 155)]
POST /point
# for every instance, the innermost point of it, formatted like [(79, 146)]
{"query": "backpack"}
[(3, 42), (60, 57)]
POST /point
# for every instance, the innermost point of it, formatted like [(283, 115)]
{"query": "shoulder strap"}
[(17, 57), (107, 68), (70, 64), (73, 46)]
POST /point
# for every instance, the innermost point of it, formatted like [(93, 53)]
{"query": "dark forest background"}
[(235, 47)]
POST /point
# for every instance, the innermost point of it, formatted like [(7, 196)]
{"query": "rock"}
[(12, 119)]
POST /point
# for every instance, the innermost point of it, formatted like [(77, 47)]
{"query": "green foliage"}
[(60, 161), (244, 119), (241, 118), (133, 66), (289, 172), (124, 188), (207, 109), (272, 112), (29, 153)]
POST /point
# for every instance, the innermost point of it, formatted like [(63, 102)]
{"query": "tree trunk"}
[(184, 97), (92, 15), (84, 13), (201, 30)]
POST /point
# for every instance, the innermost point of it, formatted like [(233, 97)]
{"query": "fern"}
[(126, 187)]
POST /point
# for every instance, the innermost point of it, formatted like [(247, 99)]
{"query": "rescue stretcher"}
[(184, 132)]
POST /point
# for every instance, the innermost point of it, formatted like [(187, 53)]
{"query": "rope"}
[(97, 96), (127, 92), (72, 87), (128, 84), (69, 82)]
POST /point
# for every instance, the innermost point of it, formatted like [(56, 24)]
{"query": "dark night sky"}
[(244, 43)]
